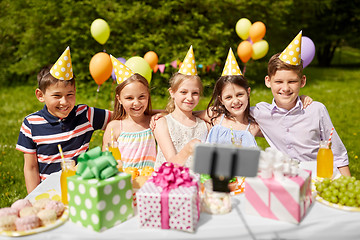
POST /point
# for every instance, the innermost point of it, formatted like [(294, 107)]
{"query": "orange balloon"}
[(244, 51), (100, 67), (152, 58), (257, 31)]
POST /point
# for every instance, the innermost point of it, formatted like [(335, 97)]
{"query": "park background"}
[(34, 33)]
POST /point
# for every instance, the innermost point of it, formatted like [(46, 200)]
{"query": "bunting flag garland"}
[(177, 63)]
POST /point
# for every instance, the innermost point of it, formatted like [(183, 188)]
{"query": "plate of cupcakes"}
[(26, 217)]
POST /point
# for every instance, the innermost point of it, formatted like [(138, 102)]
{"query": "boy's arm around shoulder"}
[(31, 171)]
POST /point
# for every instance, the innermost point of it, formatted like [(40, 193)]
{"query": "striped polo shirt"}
[(41, 133)]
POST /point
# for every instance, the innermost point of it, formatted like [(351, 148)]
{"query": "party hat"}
[(292, 53), (62, 69), (122, 72), (188, 66), (231, 66)]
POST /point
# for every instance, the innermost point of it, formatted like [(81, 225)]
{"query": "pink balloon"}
[(307, 50)]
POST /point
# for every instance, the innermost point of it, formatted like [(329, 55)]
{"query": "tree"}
[(329, 23)]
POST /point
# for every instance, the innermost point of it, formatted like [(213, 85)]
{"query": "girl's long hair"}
[(215, 104), (119, 111), (175, 81)]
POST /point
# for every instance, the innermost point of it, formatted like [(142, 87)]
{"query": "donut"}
[(8, 211), (41, 203), (7, 223), (47, 216), (59, 207), (27, 211), (27, 223), (21, 203)]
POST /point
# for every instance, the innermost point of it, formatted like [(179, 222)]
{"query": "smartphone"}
[(227, 161)]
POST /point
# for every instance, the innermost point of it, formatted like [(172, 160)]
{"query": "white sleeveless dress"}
[(180, 136)]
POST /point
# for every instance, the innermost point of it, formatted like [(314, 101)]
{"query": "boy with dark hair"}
[(59, 122)]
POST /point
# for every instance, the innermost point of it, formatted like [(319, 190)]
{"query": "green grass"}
[(337, 88)]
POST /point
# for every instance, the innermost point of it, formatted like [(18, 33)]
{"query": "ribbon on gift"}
[(168, 177), (274, 163), (96, 164)]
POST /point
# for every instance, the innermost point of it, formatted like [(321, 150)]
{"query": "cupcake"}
[(8, 211), (21, 203), (139, 181), (27, 223), (7, 222), (41, 203), (147, 171), (57, 206), (47, 216), (28, 211), (133, 171)]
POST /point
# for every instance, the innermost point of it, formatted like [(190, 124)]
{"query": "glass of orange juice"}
[(325, 160), (67, 170), (114, 149)]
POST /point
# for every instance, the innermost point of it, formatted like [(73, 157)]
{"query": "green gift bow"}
[(96, 164)]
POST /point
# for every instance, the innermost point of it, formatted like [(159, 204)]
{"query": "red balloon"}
[(100, 67), (244, 51), (257, 31)]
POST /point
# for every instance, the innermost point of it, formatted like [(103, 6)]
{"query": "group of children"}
[(228, 119)]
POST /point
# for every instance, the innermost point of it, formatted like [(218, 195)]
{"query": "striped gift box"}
[(287, 199)]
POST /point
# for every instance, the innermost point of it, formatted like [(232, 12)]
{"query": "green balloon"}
[(100, 30), (141, 66)]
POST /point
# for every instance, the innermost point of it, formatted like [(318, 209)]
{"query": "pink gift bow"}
[(168, 177)]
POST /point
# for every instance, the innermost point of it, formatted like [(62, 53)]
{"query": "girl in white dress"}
[(177, 132)]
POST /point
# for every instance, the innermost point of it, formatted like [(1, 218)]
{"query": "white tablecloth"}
[(321, 222)]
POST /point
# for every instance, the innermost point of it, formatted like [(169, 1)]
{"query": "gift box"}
[(169, 199), (286, 199), (100, 204)]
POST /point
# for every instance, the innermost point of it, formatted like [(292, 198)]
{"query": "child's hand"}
[(306, 100), (154, 118)]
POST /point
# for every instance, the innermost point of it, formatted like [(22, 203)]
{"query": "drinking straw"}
[(112, 137), (232, 136), (61, 154), (331, 133)]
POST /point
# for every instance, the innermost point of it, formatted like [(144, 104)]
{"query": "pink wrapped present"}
[(169, 200), (286, 199)]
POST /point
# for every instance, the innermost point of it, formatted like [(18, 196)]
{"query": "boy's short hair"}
[(45, 79), (275, 64)]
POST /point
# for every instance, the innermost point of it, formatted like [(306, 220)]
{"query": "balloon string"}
[(244, 70)]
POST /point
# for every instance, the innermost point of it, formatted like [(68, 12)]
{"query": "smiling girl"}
[(177, 132), (130, 121), (229, 108)]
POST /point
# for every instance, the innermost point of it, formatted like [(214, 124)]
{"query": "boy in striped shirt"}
[(59, 122)]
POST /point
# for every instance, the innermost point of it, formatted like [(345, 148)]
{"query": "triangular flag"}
[(121, 71), (292, 53), (161, 67), (189, 66), (156, 68), (174, 64), (231, 66), (62, 69)]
